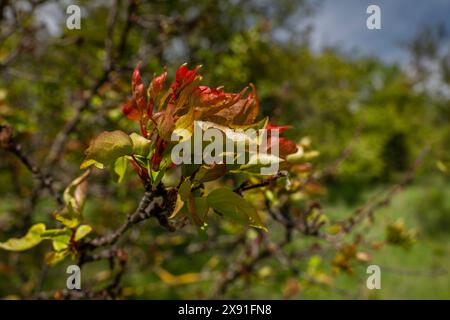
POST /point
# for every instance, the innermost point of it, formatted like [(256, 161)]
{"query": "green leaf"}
[(74, 198), (68, 217), (82, 231), (210, 172), (89, 162), (55, 233), (234, 207), (141, 145), (31, 239), (59, 245), (178, 206), (75, 193), (60, 237), (201, 208), (184, 125), (183, 195), (119, 169), (185, 189), (107, 147), (54, 257), (261, 124), (442, 166)]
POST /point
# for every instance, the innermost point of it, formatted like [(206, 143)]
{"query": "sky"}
[(343, 23)]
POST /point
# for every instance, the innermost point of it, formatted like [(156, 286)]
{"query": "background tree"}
[(369, 121)]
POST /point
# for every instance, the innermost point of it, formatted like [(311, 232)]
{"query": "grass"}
[(423, 271)]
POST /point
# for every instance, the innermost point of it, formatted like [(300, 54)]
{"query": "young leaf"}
[(54, 257), (68, 217), (119, 169), (59, 245), (56, 233), (75, 193), (74, 197), (233, 206), (60, 238), (106, 148), (210, 172), (82, 231), (183, 195), (141, 145), (261, 124), (31, 239), (178, 206)]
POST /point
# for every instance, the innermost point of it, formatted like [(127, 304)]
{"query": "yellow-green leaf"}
[(119, 169), (55, 233), (107, 147), (82, 231), (210, 172), (74, 198), (68, 217), (54, 257), (75, 193), (60, 237), (141, 145), (59, 246), (234, 207), (31, 239), (183, 195), (178, 206)]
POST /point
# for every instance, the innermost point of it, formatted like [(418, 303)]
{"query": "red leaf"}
[(130, 110), (286, 147), (210, 96), (157, 85), (138, 90), (280, 129), (183, 77), (136, 78)]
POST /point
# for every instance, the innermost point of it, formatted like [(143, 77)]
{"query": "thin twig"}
[(108, 66), (45, 180)]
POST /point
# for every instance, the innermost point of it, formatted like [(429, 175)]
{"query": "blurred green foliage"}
[(338, 100)]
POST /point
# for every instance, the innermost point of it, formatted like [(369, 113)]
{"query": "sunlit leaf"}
[(54, 257), (68, 217), (74, 198), (75, 193), (235, 207), (141, 145), (171, 279), (182, 196), (107, 147), (31, 239), (210, 172), (60, 238), (82, 231), (59, 245), (119, 169)]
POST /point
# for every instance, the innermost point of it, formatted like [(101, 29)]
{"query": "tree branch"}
[(108, 66), (11, 146)]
